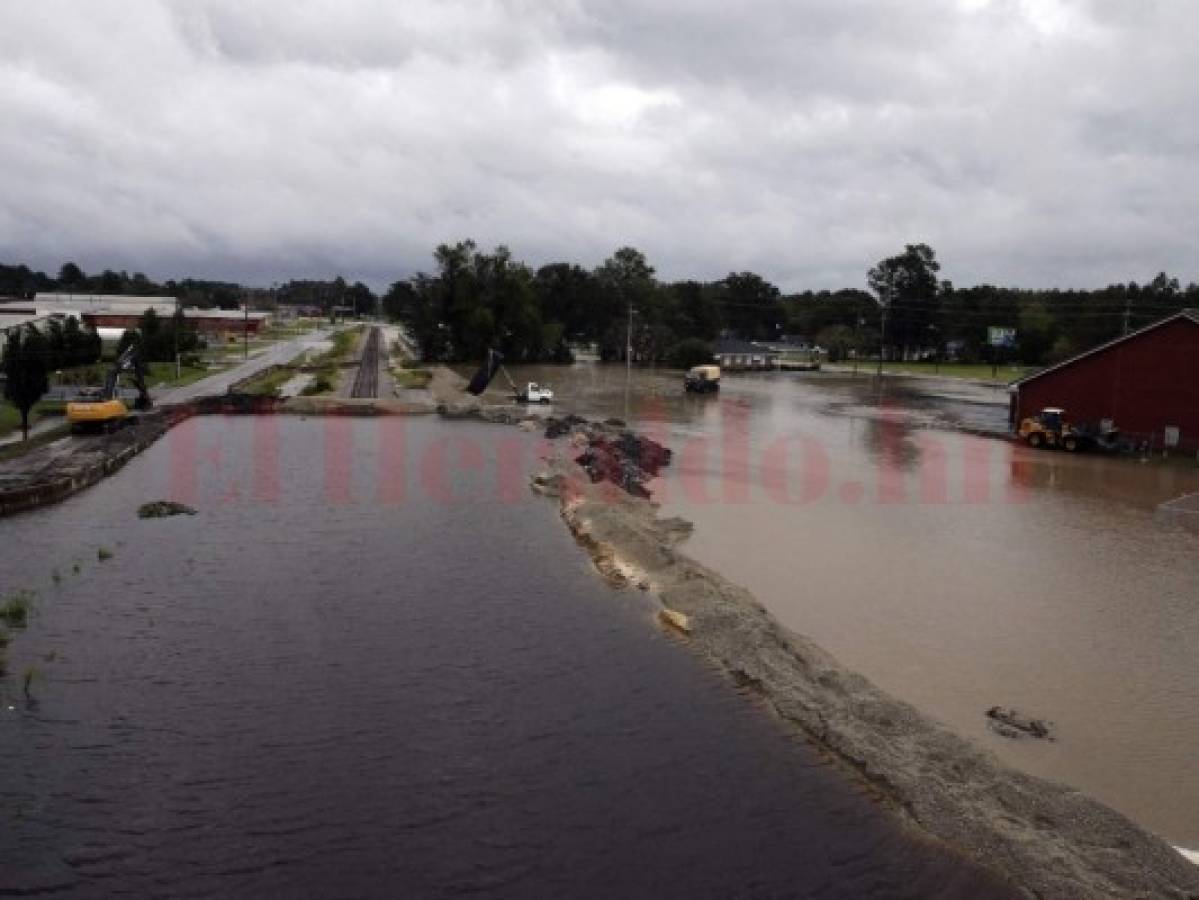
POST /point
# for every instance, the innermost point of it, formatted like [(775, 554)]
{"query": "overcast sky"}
[(1030, 142)]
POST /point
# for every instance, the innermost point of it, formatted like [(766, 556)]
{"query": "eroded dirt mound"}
[(612, 453)]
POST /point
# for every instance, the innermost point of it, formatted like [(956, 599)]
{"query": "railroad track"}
[(366, 382)]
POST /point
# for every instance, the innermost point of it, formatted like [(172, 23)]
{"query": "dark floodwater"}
[(955, 571), (352, 676)]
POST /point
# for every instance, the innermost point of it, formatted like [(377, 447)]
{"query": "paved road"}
[(222, 381), (217, 383)]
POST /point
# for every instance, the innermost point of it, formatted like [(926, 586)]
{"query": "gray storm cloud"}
[(1031, 142)]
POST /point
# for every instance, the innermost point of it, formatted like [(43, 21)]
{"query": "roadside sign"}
[(998, 336)]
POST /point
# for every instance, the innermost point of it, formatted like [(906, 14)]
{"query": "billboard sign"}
[(998, 336)]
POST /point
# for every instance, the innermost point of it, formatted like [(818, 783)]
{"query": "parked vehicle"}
[(535, 393), (1051, 428), (702, 380)]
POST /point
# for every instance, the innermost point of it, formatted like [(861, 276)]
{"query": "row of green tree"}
[(475, 300), (22, 282), (161, 339), (32, 352)]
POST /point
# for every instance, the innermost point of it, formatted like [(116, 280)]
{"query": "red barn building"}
[(1146, 383)]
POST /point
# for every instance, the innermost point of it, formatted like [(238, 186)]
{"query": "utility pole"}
[(175, 330), (882, 341), (628, 359), (628, 344), (857, 341), (1127, 312), (245, 306)]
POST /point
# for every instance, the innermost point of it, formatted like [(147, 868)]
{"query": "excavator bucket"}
[(487, 371)]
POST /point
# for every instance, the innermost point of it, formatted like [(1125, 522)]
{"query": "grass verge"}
[(413, 378), (971, 371)]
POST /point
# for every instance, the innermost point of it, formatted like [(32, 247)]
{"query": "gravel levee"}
[(1047, 839)]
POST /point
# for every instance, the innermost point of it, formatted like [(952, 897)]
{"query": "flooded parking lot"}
[(958, 572)]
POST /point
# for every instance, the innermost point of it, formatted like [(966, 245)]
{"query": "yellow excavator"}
[(101, 409)]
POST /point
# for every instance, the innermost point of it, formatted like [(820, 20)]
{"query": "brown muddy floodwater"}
[(957, 572), (375, 665)]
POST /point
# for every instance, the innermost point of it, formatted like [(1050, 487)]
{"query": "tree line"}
[(475, 300), (21, 282), (32, 352)]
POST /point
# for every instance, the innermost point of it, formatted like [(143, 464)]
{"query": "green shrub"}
[(320, 385), (689, 352)]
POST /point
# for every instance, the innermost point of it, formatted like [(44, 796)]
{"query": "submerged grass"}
[(14, 612), (103, 553)]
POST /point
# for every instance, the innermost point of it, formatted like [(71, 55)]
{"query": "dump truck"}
[(493, 364), (702, 380)]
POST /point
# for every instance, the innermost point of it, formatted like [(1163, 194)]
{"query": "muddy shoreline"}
[(1044, 838)]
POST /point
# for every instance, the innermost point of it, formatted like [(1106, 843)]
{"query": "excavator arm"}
[(130, 361), (102, 408)]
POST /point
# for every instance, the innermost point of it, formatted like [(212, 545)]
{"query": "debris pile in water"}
[(557, 427), (1011, 724), (612, 453), (160, 509)]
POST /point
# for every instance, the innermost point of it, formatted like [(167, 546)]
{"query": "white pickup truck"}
[(535, 393)]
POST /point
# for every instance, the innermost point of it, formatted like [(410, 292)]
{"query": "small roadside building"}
[(1145, 383), (735, 355)]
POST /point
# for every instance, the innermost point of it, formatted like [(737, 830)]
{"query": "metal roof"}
[(1192, 315), (734, 345)]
